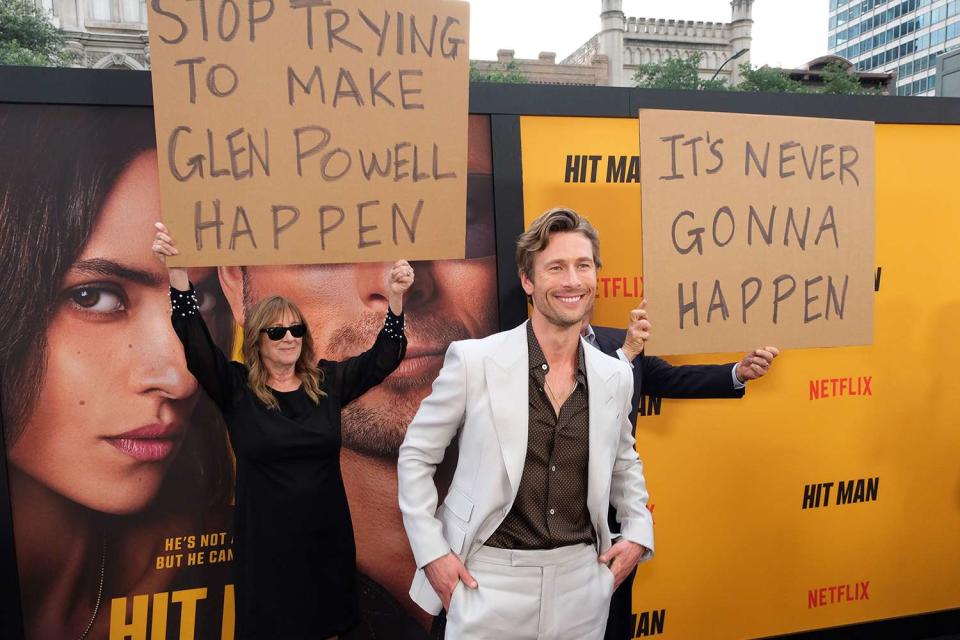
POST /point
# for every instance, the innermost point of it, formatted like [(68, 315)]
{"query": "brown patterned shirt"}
[(551, 506)]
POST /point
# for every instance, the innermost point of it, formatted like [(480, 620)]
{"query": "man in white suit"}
[(521, 547)]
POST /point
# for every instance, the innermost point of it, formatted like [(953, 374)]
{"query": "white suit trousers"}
[(554, 594)]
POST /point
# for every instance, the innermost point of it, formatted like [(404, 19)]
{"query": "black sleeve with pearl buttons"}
[(184, 303), (213, 370), (393, 326), (351, 378)]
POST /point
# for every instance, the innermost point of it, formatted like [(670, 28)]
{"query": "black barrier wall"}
[(501, 107)]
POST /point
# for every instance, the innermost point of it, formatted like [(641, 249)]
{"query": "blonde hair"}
[(536, 238), (264, 314)]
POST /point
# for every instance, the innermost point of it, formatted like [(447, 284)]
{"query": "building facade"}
[(948, 74), (811, 75), (103, 34), (900, 36), (545, 70), (629, 42)]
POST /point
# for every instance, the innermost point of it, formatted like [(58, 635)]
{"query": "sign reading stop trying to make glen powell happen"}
[(309, 131), (757, 230)]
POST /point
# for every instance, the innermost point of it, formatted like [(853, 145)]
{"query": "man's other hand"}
[(621, 558), (638, 331), (756, 364), (444, 573)]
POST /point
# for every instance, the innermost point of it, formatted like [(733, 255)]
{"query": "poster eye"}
[(97, 299)]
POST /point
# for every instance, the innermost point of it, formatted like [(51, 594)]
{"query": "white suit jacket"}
[(480, 398)]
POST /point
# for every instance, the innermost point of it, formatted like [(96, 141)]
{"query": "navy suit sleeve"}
[(662, 379), (654, 376)]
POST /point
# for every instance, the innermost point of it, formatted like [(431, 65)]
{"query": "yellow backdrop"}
[(738, 554)]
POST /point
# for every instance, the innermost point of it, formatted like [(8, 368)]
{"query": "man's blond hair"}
[(537, 236)]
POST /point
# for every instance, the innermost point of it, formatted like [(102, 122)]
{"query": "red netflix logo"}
[(620, 287), (840, 387), (837, 594)]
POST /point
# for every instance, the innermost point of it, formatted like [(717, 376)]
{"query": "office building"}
[(900, 36)]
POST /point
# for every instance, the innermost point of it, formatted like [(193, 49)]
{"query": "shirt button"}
[(552, 511), (544, 366), (553, 467)]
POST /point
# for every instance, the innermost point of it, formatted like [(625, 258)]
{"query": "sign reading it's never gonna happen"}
[(756, 230)]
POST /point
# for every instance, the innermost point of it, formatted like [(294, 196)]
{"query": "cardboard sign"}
[(309, 131), (757, 230)]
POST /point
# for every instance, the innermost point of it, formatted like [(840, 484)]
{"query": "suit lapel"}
[(603, 342), (604, 428), (507, 377)]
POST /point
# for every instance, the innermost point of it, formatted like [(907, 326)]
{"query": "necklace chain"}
[(553, 395), (96, 607)]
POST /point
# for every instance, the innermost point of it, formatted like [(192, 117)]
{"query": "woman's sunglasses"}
[(277, 333)]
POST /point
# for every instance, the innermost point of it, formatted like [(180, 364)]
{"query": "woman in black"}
[(295, 559)]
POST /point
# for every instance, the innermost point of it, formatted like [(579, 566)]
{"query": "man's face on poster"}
[(344, 306)]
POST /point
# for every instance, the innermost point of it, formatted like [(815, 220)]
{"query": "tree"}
[(28, 38), (509, 73), (676, 73), (683, 73), (838, 81), (767, 79)]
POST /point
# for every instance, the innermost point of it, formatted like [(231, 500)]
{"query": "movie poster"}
[(830, 494), (120, 470)]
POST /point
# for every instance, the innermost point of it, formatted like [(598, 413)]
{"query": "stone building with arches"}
[(629, 42), (103, 34)]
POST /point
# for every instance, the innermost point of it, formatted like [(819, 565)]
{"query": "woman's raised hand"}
[(164, 245), (401, 277), (399, 282)]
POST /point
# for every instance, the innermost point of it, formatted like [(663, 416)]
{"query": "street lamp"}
[(730, 59)]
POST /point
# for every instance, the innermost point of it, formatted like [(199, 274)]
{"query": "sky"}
[(786, 33)]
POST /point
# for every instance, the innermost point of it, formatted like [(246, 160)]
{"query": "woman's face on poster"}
[(115, 395)]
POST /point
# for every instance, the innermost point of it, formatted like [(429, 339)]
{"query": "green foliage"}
[(509, 73), (838, 81), (676, 73), (767, 79), (27, 37), (683, 73)]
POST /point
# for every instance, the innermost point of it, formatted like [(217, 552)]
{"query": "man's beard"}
[(556, 317), (378, 430)]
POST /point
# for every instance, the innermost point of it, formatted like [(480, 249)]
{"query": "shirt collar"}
[(538, 361), (590, 335)]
